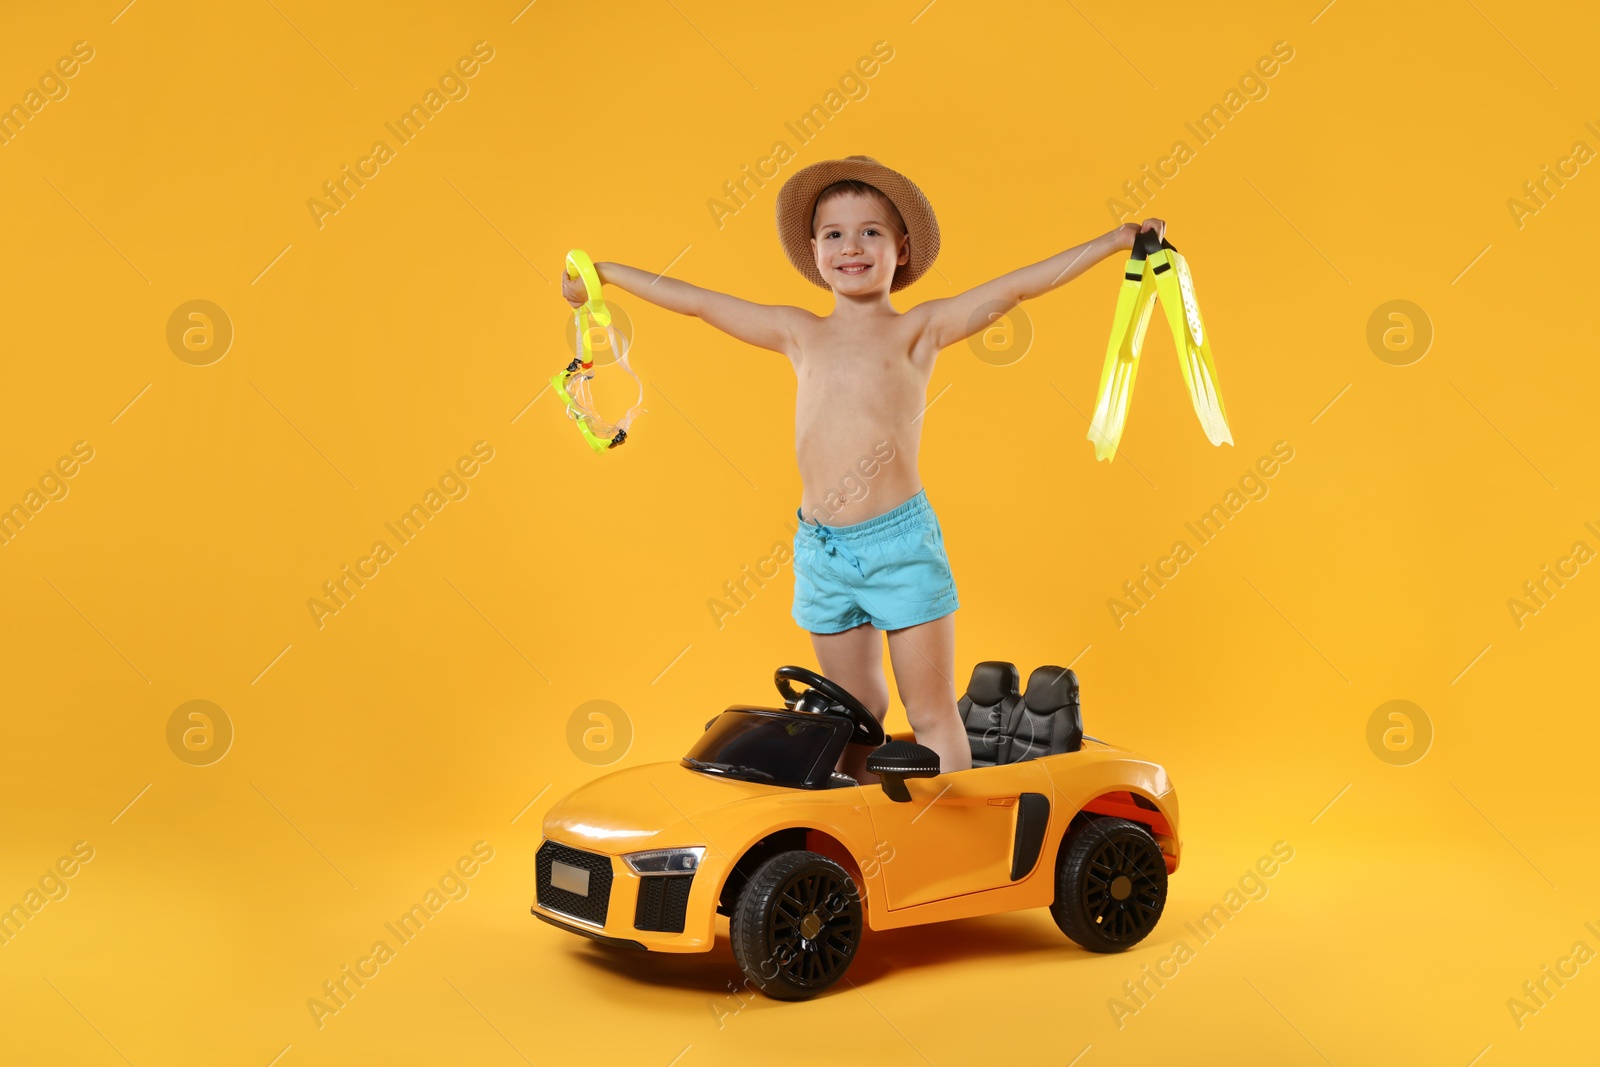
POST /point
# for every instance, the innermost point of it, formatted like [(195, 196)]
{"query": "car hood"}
[(653, 806)]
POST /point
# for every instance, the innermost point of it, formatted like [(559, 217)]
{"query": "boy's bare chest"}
[(867, 375), (880, 361)]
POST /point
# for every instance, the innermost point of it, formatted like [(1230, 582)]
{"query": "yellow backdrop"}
[(281, 274)]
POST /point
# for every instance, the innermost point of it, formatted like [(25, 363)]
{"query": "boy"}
[(863, 231)]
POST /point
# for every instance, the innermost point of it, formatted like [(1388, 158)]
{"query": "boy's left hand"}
[(1128, 231)]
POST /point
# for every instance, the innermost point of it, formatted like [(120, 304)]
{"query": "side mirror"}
[(899, 760)]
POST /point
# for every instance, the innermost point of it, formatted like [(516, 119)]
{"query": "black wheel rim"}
[(815, 926), (1122, 888)]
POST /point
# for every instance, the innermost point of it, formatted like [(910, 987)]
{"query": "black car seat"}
[(990, 710), (1050, 722)]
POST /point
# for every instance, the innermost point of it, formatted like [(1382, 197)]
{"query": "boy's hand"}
[(1128, 231), (577, 294)]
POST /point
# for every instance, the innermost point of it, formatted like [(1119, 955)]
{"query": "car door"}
[(957, 834)]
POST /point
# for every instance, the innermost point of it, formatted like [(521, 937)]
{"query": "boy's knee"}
[(928, 714), (876, 699)]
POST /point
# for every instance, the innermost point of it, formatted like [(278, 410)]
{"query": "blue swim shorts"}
[(890, 571)]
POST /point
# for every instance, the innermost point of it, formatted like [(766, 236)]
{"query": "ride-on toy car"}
[(755, 824)]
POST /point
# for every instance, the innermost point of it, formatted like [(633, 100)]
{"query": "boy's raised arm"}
[(767, 326), (954, 318)]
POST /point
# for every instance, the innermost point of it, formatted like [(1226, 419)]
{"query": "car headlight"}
[(666, 860)]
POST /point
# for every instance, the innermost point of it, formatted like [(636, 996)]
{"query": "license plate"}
[(572, 879)]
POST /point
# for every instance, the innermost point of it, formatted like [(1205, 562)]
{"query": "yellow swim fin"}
[(1136, 300), (1173, 281)]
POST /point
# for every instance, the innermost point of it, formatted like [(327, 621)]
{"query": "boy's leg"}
[(854, 659), (924, 659)]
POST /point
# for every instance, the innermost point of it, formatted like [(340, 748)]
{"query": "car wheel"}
[(1111, 884), (796, 926)]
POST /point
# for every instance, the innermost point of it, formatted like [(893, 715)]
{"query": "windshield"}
[(781, 748)]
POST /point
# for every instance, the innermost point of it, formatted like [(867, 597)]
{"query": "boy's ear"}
[(905, 250)]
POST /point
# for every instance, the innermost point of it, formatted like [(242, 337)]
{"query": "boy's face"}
[(858, 243)]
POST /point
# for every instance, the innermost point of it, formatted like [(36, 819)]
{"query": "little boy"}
[(863, 231)]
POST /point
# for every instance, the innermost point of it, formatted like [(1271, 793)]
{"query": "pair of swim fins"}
[(1156, 270)]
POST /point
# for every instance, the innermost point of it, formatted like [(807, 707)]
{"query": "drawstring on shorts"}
[(831, 544)]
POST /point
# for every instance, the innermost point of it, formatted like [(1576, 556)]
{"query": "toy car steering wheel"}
[(868, 730)]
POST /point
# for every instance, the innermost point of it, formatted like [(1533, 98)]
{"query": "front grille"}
[(590, 908), (663, 900)]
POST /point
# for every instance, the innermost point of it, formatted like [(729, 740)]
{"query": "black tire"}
[(1111, 884), (796, 926)]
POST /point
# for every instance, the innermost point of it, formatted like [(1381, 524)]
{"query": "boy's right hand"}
[(573, 288)]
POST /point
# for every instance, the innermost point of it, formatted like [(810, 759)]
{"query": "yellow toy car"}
[(756, 824)]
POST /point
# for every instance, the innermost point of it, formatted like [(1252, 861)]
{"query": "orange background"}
[(431, 712)]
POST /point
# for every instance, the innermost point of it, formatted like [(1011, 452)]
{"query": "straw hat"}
[(798, 198)]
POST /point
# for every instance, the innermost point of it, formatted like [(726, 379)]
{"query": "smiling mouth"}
[(854, 268)]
